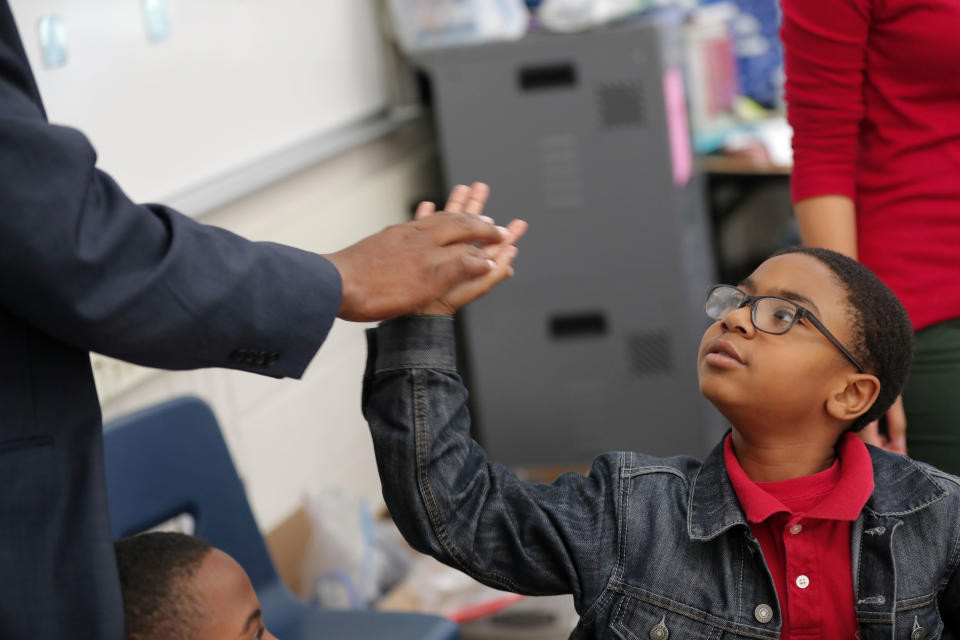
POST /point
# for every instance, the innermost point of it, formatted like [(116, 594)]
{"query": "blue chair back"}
[(171, 459)]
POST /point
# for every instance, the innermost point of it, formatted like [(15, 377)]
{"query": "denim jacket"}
[(649, 547)]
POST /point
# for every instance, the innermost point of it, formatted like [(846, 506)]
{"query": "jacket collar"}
[(901, 487)]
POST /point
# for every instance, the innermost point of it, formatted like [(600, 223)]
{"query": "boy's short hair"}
[(154, 570), (881, 330)]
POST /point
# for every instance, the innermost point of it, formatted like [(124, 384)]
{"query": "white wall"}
[(235, 80), (291, 436)]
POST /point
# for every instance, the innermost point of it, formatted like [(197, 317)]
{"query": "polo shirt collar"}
[(902, 486), (845, 501)]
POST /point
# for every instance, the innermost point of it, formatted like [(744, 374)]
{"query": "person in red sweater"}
[(873, 95)]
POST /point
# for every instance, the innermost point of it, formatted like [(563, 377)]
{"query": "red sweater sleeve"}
[(825, 45)]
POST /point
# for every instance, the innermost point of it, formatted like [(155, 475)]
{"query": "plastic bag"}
[(352, 559), (429, 24)]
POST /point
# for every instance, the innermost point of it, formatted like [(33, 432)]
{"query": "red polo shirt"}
[(803, 526)]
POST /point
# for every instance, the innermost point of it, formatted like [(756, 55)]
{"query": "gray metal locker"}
[(592, 346)]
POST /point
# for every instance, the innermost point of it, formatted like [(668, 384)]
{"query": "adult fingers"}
[(897, 428), (447, 228)]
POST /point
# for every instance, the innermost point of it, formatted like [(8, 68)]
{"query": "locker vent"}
[(559, 171), (650, 353), (621, 104)]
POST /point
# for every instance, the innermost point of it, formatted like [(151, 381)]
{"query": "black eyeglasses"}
[(769, 314)]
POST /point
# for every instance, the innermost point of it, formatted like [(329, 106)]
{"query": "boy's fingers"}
[(511, 233), (477, 199), (458, 199), (470, 291), (424, 209), (515, 230)]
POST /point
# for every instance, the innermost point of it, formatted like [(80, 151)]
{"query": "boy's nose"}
[(739, 321)]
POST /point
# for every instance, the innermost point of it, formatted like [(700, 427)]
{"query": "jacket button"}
[(763, 613), (660, 631), (919, 633)]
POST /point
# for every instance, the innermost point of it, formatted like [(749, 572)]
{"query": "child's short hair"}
[(881, 330), (154, 569)]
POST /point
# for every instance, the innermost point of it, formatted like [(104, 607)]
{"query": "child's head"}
[(179, 586), (800, 377)]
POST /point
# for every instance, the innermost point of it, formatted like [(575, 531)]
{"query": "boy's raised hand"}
[(472, 200)]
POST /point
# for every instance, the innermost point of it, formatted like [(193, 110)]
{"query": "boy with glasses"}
[(791, 528)]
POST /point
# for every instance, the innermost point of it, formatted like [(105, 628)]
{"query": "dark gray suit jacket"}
[(82, 268)]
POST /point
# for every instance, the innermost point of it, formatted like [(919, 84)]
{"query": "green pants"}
[(931, 397)]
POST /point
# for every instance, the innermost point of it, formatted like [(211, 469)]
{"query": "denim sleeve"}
[(447, 498)]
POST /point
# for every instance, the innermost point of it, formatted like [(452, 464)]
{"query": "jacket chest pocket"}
[(639, 620), (918, 623)]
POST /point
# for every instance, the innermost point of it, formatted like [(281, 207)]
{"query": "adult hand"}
[(406, 266), (471, 200), (896, 439)]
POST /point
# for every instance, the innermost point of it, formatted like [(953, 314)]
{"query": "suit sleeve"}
[(143, 283), (825, 49)]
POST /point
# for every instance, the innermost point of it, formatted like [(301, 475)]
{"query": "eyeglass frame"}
[(802, 312)]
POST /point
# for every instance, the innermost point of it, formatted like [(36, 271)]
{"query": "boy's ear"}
[(854, 399)]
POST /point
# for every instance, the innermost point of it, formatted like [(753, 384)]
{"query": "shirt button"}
[(803, 581), (795, 529), (763, 613)]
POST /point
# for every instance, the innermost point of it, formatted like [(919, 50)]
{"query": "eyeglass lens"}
[(723, 300), (768, 314)]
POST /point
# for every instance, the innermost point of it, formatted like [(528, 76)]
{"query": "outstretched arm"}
[(451, 502), (446, 497), (144, 283)]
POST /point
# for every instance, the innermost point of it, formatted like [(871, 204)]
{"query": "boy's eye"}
[(782, 315)]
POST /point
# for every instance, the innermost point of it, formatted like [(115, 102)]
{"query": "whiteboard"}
[(235, 81)]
